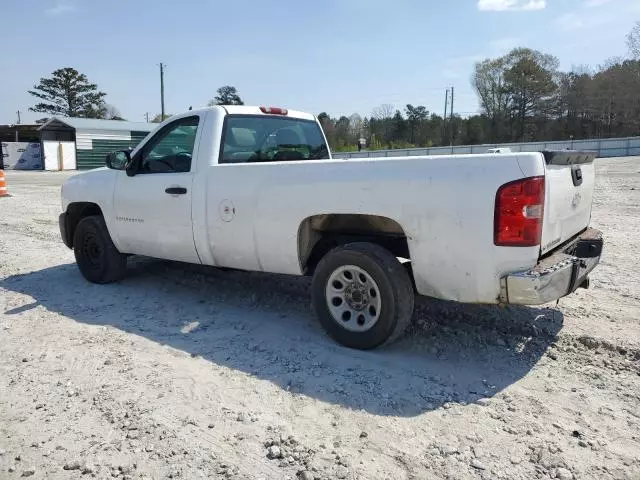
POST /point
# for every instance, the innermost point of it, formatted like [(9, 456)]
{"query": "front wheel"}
[(362, 295), (97, 258)]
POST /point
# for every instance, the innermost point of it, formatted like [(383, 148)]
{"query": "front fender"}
[(93, 187)]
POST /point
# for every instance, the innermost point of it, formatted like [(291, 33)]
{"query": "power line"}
[(597, 97), (395, 98)]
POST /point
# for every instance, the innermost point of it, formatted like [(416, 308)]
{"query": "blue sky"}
[(339, 56)]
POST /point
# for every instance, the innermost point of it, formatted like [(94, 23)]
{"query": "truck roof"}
[(255, 110)]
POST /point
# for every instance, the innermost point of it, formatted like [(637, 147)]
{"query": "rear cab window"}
[(271, 138)]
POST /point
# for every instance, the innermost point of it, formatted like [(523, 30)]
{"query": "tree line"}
[(68, 93), (523, 97)]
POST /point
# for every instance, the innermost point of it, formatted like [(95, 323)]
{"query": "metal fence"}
[(605, 147)]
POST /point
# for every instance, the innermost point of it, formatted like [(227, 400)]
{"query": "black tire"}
[(393, 282), (97, 257)]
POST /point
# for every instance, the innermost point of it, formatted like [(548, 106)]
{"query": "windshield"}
[(252, 138)]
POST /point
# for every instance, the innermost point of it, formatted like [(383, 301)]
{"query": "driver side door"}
[(153, 207)]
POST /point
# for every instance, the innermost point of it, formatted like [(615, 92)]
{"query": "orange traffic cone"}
[(3, 185)]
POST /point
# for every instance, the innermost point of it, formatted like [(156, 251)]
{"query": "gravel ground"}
[(186, 372)]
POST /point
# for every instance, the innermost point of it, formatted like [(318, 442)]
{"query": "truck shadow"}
[(262, 324)]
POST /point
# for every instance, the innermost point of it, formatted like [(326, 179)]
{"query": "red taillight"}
[(519, 212), (274, 110)]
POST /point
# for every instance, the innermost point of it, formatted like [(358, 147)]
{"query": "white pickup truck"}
[(256, 189)]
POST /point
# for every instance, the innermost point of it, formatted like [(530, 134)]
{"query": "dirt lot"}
[(184, 372)]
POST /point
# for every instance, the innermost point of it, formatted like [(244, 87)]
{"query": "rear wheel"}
[(97, 258), (362, 295)]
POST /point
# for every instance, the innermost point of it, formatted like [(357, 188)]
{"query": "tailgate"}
[(569, 183)]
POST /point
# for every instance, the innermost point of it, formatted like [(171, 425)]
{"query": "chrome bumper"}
[(557, 275)]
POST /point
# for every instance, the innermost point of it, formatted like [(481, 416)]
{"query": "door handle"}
[(175, 190), (576, 175)]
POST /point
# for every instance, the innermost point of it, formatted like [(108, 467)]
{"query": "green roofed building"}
[(80, 143)]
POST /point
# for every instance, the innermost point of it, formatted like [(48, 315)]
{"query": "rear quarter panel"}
[(444, 204)]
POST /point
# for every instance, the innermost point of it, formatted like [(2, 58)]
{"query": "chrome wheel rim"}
[(353, 298)]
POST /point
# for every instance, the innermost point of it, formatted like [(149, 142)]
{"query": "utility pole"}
[(444, 117), (162, 91), (18, 112), (146, 115), (451, 132)]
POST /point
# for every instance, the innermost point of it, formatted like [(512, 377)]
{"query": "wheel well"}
[(76, 212), (319, 234)]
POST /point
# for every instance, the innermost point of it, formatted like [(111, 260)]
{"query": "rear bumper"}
[(557, 275)]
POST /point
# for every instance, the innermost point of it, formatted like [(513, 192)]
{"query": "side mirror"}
[(118, 160)]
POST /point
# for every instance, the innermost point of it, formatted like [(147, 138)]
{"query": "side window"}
[(171, 149)]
